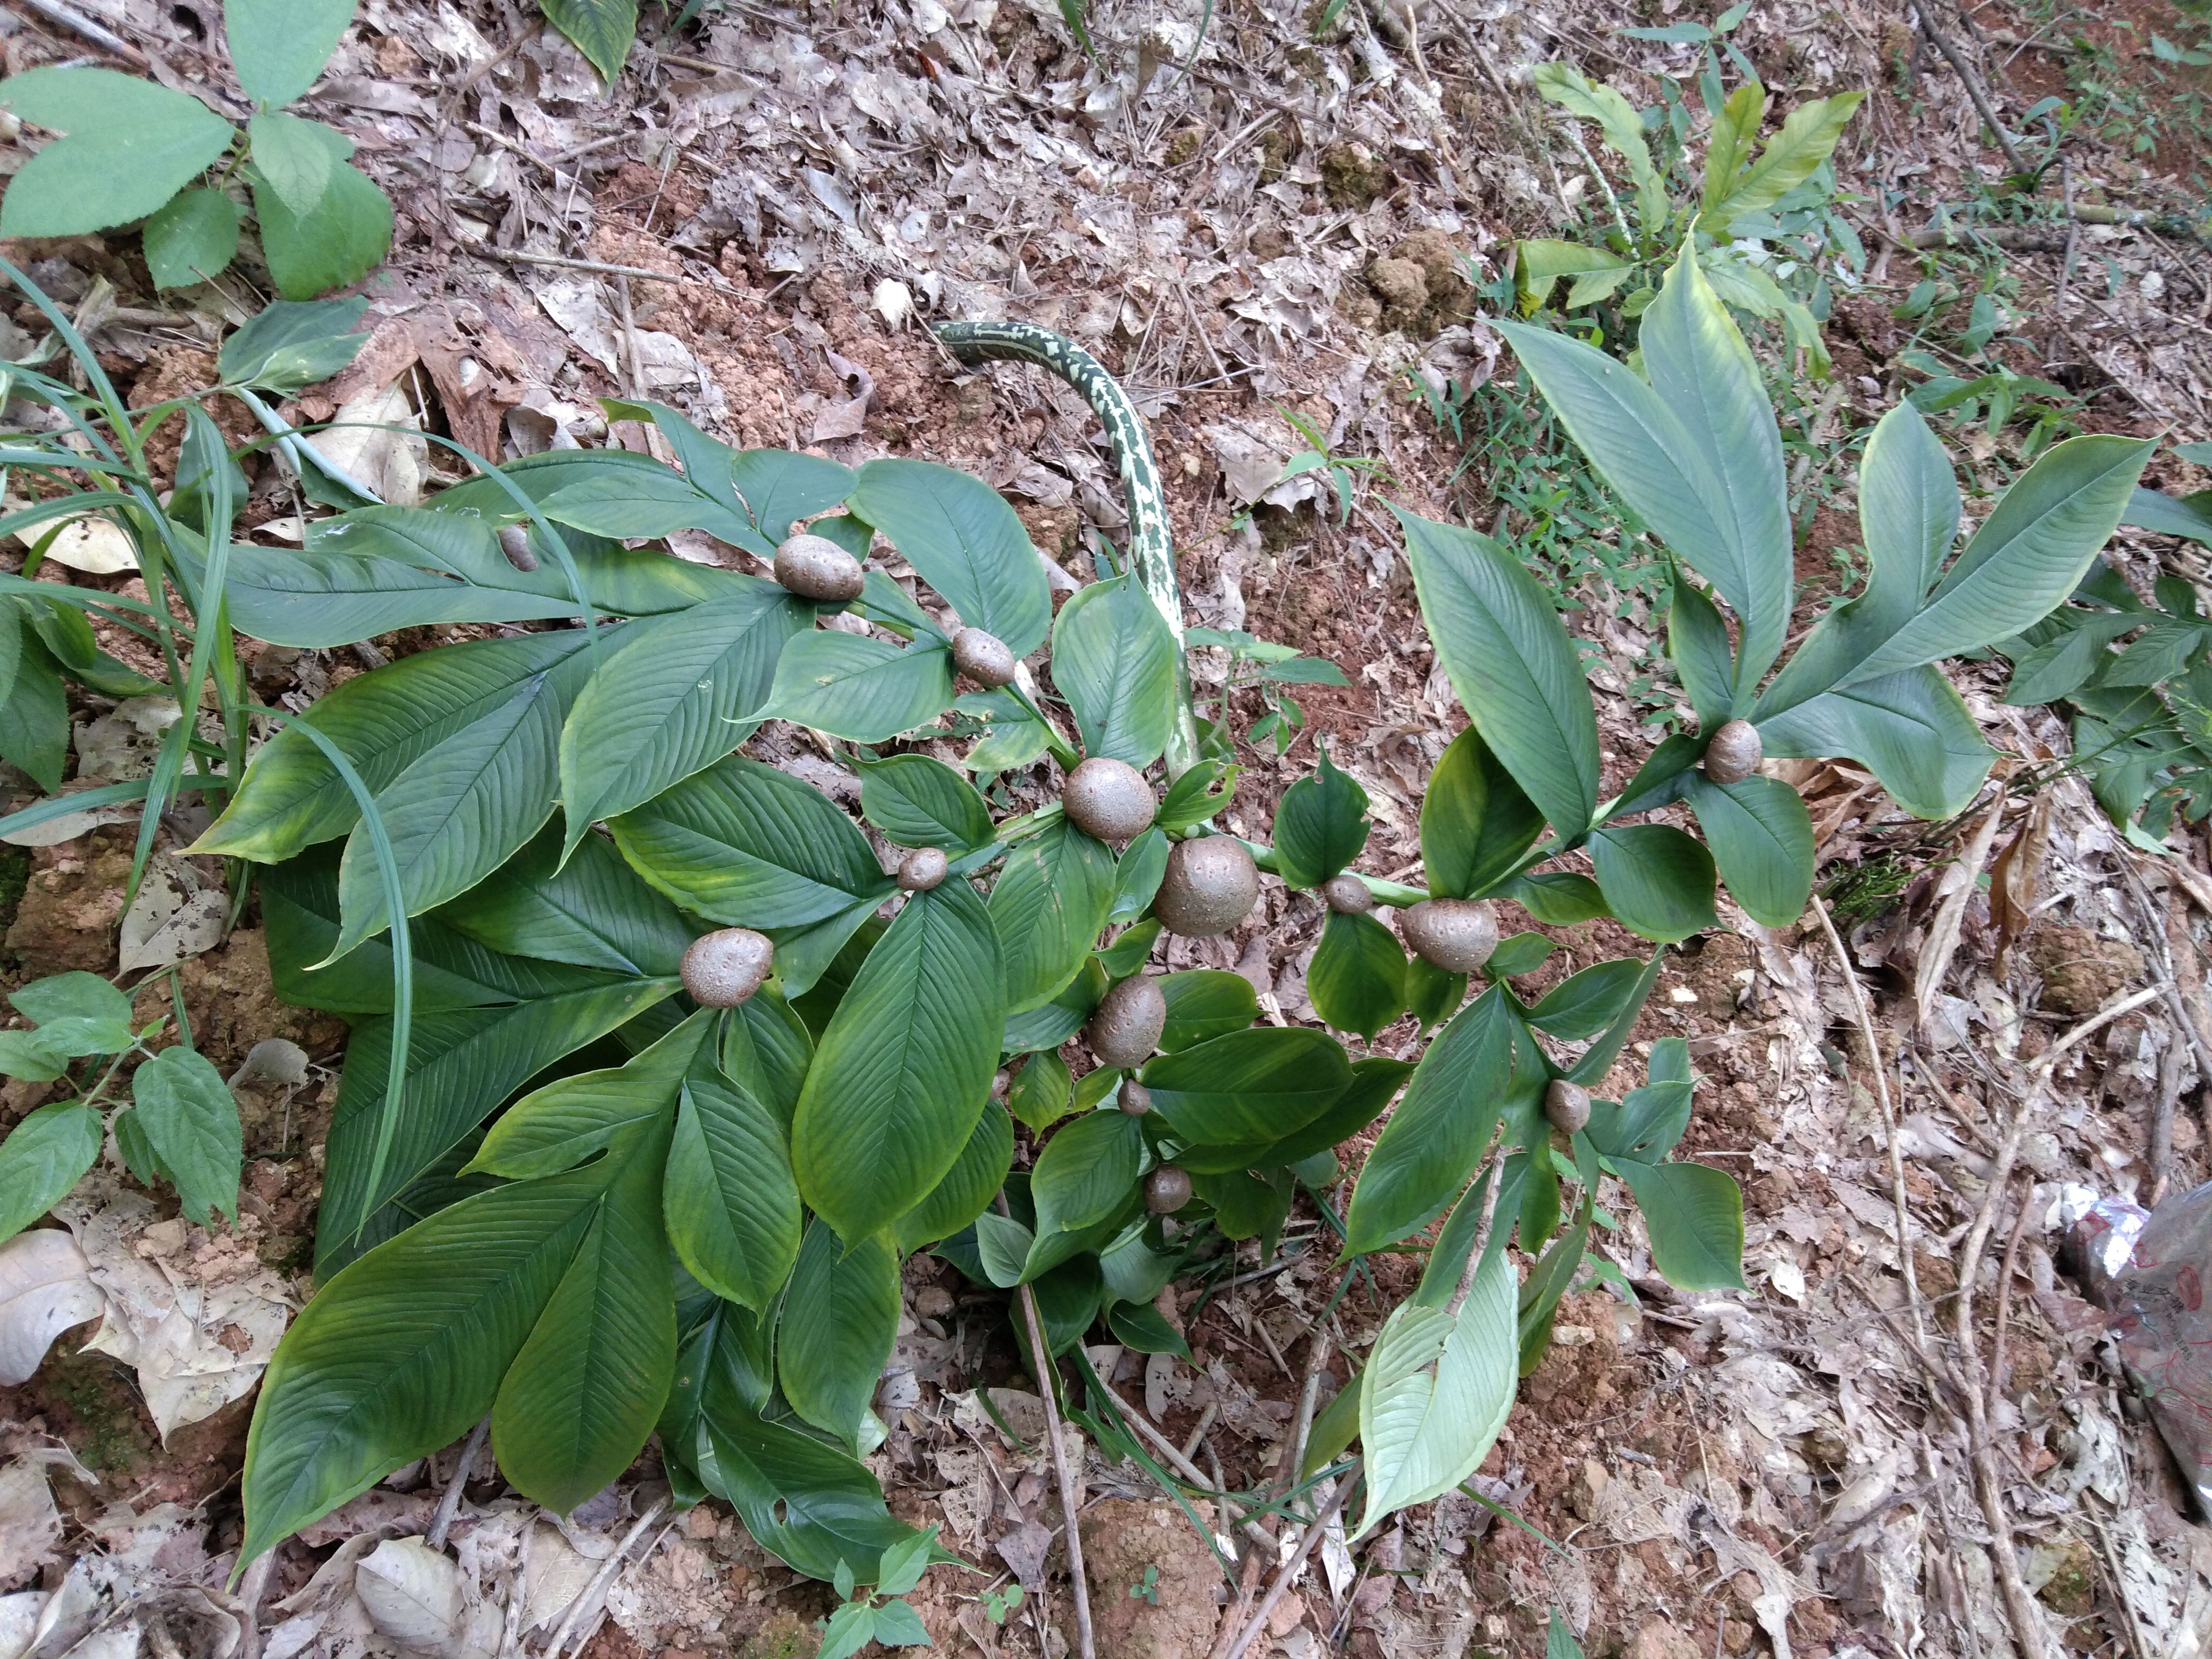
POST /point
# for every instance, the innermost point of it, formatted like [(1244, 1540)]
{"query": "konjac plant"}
[(657, 1069)]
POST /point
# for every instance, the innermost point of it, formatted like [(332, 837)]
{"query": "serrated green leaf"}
[(131, 146), (343, 237), (44, 1157), (192, 1122), (192, 240), (296, 156), (278, 47)]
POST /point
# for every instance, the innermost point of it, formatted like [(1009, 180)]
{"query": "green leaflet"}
[(1476, 821), (602, 29), (1203, 1003), (1585, 1003), (966, 542), (1048, 904), (131, 146), (1656, 879), (593, 912), (1511, 664), (1115, 661), (193, 239), (1911, 729), (920, 802), (1698, 646), (732, 1204), (1357, 977), (189, 1116), (966, 1191), (1248, 1085), (1086, 1171), (558, 1126), (277, 47), (673, 699), (905, 1065), (43, 1157), (636, 503), (841, 1318), (1761, 839), (344, 236), (859, 686), (1695, 1214), (1320, 825)]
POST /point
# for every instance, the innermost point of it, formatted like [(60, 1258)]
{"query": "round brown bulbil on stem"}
[(1135, 1099), (1108, 798), (1735, 753), (815, 567), (724, 968), (983, 657), (514, 542), (922, 869), (1567, 1106), (1456, 935), (1167, 1189), (1210, 885), (1347, 895), (1127, 1026)]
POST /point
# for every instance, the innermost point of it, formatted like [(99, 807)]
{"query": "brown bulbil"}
[(1108, 798), (514, 542), (1734, 754), (933, 1302), (1211, 884), (1347, 895), (1127, 1026), (1136, 1099), (1456, 935), (1167, 1189), (921, 869), (724, 968), (983, 657), (1567, 1106), (816, 568)]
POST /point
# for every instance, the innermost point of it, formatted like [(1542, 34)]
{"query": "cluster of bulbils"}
[(1209, 884)]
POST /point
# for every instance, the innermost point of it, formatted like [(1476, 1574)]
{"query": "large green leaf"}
[(1908, 510), (277, 47), (34, 723), (1251, 1085), (1436, 1392), (747, 844), (1357, 977), (404, 1351), (966, 542), (966, 1191), (1048, 904), (1761, 838), (1086, 1171), (461, 1065), (1808, 139), (1698, 646), (781, 486), (1512, 663), (860, 688), (1203, 1003), (636, 503), (1656, 879), (1114, 660), (585, 1391), (1695, 1214), (593, 911), (905, 1065), (917, 801), (555, 1128), (1320, 825), (43, 1157), (840, 1317), (766, 1046), (602, 29), (1476, 821), (1430, 1145), (673, 698), (294, 157), (1584, 1004), (1705, 376), (383, 721), (1911, 729), (132, 146), (458, 813), (188, 1115), (732, 1206)]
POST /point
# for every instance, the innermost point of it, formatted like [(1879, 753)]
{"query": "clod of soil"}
[(1456, 935), (983, 657), (816, 568), (1421, 285), (723, 969), (1352, 174), (1211, 884), (1148, 1549), (1108, 798), (1734, 754), (1128, 1026), (2081, 969), (922, 869)]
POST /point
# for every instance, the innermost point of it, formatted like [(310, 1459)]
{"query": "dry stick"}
[(2004, 1292), (2019, 1605), (2073, 236), (2169, 961), (450, 1504), (604, 1576), (77, 23), (1048, 1389), (1859, 1005), (1179, 1461), (250, 1589), (2161, 1122), (1974, 90), (1292, 1568), (1309, 1397)]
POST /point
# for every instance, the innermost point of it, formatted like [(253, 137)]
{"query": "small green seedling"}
[(863, 1617), (1147, 1588)]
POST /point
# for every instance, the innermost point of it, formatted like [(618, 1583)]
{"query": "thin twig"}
[(2004, 1293), (1974, 90), (450, 1504), (1047, 1389), (2073, 237), (604, 1576), (1296, 1565), (77, 23)]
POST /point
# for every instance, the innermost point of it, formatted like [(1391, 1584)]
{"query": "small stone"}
[(1127, 1026), (933, 1302), (724, 968), (1135, 1099), (1167, 1189), (983, 657), (816, 568), (1210, 885), (1456, 935), (1567, 1106), (1347, 895), (1108, 798), (1735, 753), (1587, 1488), (922, 869)]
